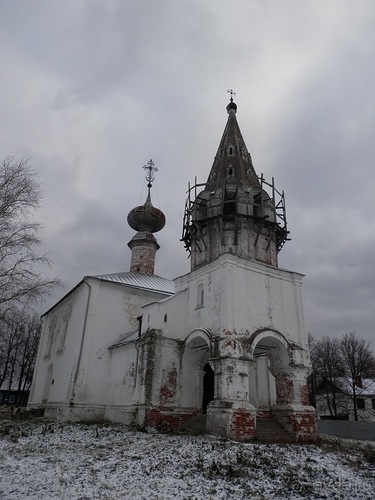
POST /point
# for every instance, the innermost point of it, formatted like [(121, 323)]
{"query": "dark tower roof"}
[(232, 161), (236, 211), (147, 218)]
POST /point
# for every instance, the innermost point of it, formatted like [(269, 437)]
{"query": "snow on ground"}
[(49, 460)]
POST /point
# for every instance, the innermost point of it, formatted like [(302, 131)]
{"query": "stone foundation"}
[(231, 419), (169, 419), (299, 422), (127, 415), (74, 413)]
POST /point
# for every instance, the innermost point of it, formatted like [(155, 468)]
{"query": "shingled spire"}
[(236, 211), (146, 219), (232, 161)]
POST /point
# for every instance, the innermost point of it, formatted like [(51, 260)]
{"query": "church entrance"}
[(208, 386), (197, 389), (271, 356)]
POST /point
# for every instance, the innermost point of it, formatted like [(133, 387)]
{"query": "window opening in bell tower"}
[(229, 205)]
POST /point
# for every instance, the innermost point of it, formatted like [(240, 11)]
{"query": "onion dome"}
[(232, 107), (146, 218)]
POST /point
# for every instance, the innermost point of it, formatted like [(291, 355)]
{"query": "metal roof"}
[(144, 281), (126, 339)]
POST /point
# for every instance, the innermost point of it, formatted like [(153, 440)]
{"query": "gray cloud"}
[(91, 90)]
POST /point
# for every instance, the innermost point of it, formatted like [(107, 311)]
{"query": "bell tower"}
[(235, 211), (234, 226), (146, 220)]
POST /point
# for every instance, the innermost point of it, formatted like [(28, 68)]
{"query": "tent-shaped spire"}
[(232, 162)]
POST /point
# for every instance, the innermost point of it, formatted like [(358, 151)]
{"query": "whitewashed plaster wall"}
[(54, 363), (260, 296), (101, 313), (113, 312), (123, 375), (240, 297)]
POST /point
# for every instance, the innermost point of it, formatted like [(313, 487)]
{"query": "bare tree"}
[(9, 341), (327, 366), (358, 360), (312, 379), (20, 263), (19, 339)]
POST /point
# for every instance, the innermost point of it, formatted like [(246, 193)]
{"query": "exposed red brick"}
[(300, 425), (305, 395), (168, 391), (284, 389), (156, 417), (242, 425)]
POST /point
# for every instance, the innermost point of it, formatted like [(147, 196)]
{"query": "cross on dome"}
[(152, 169), (232, 93)]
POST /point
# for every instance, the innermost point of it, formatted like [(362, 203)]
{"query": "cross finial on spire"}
[(232, 93), (150, 174)]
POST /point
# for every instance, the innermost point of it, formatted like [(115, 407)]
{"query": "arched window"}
[(200, 295), (51, 335), (61, 337)]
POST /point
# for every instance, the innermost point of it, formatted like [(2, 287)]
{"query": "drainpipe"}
[(81, 345)]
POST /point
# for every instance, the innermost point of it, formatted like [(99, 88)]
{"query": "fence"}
[(348, 429)]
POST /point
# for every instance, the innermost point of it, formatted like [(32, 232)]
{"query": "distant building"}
[(336, 401), (13, 397), (223, 347)]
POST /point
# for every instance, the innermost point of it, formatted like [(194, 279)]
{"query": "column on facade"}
[(292, 408), (231, 412)]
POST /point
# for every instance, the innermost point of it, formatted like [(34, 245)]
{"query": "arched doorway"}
[(271, 356), (208, 386), (286, 371), (197, 374)]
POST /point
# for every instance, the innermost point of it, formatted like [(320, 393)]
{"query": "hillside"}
[(48, 460)]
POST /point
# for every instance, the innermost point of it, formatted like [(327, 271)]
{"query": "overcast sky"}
[(90, 90)]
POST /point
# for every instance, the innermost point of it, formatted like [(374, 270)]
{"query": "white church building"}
[(223, 347)]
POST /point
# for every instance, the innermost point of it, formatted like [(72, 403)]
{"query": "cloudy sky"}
[(90, 90)]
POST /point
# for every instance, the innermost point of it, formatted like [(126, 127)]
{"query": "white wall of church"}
[(232, 296), (264, 297), (123, 375), (59, 349), (113, 313), (81, 374)]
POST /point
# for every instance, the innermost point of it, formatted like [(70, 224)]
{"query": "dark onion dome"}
[(232, 106), (146, 218)]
